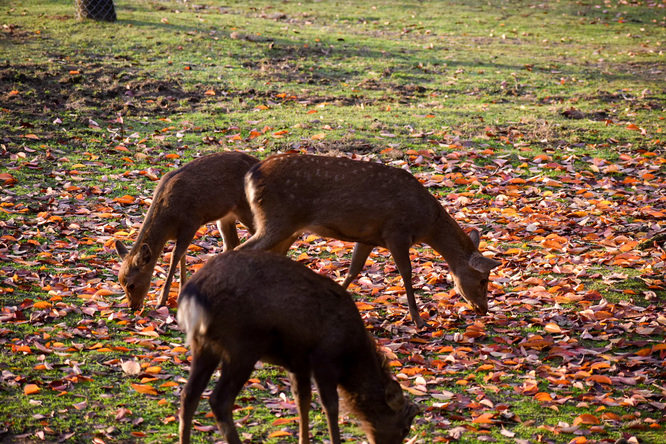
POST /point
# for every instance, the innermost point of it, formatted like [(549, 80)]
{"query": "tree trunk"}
[(101, 10)]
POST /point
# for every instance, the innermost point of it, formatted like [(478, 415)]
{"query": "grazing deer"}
[(367, 203), (206, 189), (247, 306)]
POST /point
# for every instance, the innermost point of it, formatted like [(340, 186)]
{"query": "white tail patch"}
[(249, 189), (191, 318)]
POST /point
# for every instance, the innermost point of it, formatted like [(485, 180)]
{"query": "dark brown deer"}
[(248, 306), (206, 189), (367, 203)]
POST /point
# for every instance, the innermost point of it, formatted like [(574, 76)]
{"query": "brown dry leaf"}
[(131, 368)]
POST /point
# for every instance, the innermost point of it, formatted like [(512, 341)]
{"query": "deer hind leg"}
[(359, 256), (302, 391), (227, 228), (204, 363), (400, 252), (234, 375), (177, 256), (271, 237), (282, 247)]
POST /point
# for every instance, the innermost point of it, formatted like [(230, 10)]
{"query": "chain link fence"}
[(101, 10)]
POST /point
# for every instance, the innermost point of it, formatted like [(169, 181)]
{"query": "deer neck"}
[(154, 234), (449, 240), (364, 390)]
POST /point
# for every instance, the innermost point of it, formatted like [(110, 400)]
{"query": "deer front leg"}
[(359, 256), (227, 228), (177, 254), (400, 253)]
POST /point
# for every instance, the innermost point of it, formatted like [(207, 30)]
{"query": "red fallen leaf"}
[(205, 428), (587, 419), (139, 434)]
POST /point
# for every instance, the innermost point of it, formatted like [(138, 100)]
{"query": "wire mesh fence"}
[(101, 10)]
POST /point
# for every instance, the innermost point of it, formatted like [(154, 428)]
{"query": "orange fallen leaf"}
[(551, 327), (145, 389), (601, 379), (281, 421), (31, 389), (484, 418), (586, 418), (125, 200), (7, 179), (278, 434), (362, 306)]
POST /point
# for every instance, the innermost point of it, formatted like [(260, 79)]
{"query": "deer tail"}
[(191, 314)]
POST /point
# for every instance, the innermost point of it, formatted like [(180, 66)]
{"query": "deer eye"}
[(484, 281), (130, 287)]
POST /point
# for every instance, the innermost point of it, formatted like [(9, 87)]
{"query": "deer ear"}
[(394, 397), (475, 236), (144, 256), (121, 249), (481, 263)]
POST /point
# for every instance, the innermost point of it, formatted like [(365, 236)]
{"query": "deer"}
[(368, 203), (246, 306), (209, 188)]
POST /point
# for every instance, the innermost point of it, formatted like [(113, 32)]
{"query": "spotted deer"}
[(367, 203), (247, 306), (209, 188)]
